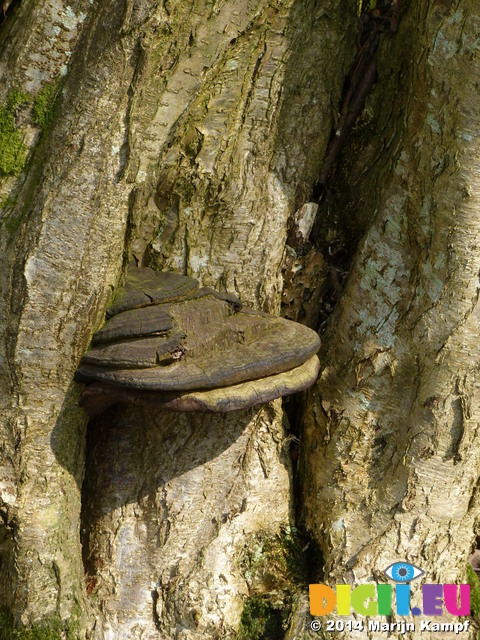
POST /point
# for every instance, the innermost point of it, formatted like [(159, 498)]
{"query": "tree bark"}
[(390, 442), (184, 137)]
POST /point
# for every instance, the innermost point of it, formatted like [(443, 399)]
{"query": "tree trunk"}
[(183, 137), (186, 136), (390, 442)]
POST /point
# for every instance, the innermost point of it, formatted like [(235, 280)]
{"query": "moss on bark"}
[(276, 571), (12, 147), (260, 621), (44, 106), (52, 629)]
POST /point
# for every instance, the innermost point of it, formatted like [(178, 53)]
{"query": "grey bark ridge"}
[(394, 420), (210, 354)]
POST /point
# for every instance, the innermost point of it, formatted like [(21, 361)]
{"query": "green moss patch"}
[(7, 202), (275, 568), (276, 562), (260, 621), (365, 5), (8, 632), (54, 629), (13, 152), (12, 148), (44, 106), (9, 221), (474, 583)]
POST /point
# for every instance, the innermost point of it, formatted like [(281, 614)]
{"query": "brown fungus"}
[(145, 286), (170, 344)]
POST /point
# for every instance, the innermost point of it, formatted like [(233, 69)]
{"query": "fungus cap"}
[(144, 287), (168, 343)]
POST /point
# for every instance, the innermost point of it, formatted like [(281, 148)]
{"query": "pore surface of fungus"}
[(168, 343)]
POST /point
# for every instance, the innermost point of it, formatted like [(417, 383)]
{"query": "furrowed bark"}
[(168, 526), (179, 138), (391, 448)]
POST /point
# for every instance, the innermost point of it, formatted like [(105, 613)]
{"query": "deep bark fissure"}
[(338, 228), (373, 25), (335, 214), (8, 7)]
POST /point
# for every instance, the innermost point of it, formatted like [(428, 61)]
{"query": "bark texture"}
[(185, 135), (391, 432), (167, 528)]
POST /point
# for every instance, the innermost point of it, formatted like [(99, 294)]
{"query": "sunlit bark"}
[(184, 136)]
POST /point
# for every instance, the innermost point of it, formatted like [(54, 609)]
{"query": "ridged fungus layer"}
[(169, 343)]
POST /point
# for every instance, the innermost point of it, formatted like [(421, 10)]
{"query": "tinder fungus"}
[(168, 343)]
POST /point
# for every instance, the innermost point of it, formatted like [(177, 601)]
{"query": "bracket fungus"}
[(169, 343)]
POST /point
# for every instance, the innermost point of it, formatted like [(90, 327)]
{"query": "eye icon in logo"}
[(403, 572)]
